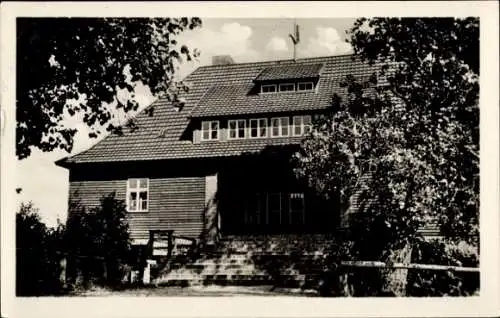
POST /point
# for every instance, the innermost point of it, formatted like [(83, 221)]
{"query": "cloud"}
[(277, 44), (327, 41), (231, 39)]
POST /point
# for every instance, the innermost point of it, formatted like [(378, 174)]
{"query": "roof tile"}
[(294, 71), (222, 90)]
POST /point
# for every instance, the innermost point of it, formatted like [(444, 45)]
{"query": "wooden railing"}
[(154, 234), (375, 264)]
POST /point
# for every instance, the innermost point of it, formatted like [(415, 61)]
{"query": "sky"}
[(246, 40)]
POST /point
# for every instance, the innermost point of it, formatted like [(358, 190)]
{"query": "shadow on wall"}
[(211, 219)]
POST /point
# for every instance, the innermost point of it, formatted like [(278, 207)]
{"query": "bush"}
[(444, 283), (38, 254), (99, 243)]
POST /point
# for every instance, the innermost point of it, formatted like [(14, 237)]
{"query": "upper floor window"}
[(237, 129), (287, 87), (258, 128), (137, 195), (305, 86), (268, 88), (210, 130), (279, 127), (301, 125)]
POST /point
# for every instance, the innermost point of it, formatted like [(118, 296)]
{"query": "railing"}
[(154, 234), (368, 278), (373, 264)]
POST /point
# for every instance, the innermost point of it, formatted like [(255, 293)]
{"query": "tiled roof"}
[(219, 91), (233, 100), (296, 71)]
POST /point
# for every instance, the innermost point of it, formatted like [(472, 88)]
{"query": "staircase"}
[(243, 261)]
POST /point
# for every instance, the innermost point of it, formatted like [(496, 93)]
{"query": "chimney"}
[(222, 60)]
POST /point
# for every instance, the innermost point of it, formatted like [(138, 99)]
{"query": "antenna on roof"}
[(295, 38)]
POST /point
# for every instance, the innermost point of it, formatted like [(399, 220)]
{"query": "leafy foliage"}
[(99, 242), (449, 283), (77, 66), (37, 254), (406, 140)]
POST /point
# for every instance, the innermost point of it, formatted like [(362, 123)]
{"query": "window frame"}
[(305, 83), (237, 121), (258, 120), (286, 84), (210, 130), (138, 189), (302, 125), (302, 213), (268, 85), (280, 127)]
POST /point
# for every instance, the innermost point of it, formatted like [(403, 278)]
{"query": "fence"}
[(375, 278)]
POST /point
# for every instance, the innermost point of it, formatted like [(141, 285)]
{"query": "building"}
[(220, 166)]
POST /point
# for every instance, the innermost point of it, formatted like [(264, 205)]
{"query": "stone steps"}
[(247, 262)]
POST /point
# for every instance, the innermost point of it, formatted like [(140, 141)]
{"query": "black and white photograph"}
[(278, 157)]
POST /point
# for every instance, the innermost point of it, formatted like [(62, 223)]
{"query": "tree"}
[(99, 240), (408, 135), (79, 66), (37, 254)]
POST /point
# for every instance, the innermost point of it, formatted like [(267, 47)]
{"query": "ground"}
[(210, 291)]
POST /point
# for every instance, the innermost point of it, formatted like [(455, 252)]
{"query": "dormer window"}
[(287, 87), (210, 130), (305, 86), (271, 88)]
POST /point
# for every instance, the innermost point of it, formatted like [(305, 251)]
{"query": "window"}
[(268, 89), (279, 127), (296, 209), (287, 87), (137, 195), (237, 129), (305, 86), (210, 130), (254, 209), (274, 208), (301, 125), (258, 128)]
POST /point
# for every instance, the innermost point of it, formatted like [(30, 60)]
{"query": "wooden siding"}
[(174, 203)]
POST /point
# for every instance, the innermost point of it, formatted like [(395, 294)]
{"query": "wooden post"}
[(62, 276)]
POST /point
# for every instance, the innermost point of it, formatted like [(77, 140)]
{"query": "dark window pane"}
[(276, 131), (263, 131), (133, 201)]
